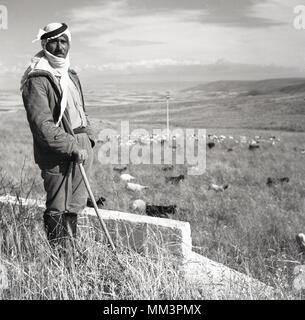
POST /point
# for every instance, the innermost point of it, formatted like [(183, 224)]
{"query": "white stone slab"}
[(138, 232), (141, 232), (223, 282)]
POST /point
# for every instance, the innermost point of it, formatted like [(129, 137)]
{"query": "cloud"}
[(11, 69), (276, 10), (116, 15), (103, 18), (230, 13), (136, 23), (142, 64), (221, 66), (244, 31), (110, 17), (169, 70), (109, 26), (133, 43)]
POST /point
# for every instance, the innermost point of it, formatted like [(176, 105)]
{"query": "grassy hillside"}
[(249, 227), (283, 110), (260, 86)]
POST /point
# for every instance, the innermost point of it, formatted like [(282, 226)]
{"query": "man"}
[(62, 137)]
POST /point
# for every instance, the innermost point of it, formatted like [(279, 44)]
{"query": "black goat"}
[(160, 211), (168, 167), (272, 181), (211, 145), (120, 169), (99, 202), (175, 180), (253, 146)]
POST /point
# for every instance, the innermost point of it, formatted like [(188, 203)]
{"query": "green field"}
[(249, 227)]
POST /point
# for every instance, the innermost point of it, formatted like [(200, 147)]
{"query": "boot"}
[(61, 232), (53, 222), (70, 223)]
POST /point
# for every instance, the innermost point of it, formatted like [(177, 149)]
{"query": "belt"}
[(80, 130)]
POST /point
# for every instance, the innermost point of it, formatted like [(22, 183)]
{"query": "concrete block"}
[(299, 278), (128, 230), (151, 235), (8, 199), (222, 282), (144, 233)]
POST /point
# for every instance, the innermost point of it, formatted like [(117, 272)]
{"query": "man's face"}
[(59, 47)]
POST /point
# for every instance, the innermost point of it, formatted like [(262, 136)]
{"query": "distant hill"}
[(247, 87)]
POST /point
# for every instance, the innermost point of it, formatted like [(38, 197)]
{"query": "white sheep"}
[(301, 241), (126, 177), (135, 187), (139, 205), (217, 188)]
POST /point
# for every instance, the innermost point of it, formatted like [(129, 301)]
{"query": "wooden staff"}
[(82, 170)]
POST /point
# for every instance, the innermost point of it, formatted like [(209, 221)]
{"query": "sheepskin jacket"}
[(41, 98)]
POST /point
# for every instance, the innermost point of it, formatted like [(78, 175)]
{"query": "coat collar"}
[(53, 80), (55, 84)]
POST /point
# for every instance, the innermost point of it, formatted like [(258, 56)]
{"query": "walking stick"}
[(82, 170)]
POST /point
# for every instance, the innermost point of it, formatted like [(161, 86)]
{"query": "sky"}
[(160, 40)]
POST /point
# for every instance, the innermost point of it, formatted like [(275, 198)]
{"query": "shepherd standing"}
[(62, 137)]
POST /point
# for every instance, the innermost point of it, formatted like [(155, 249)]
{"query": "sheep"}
[(135, 187), (139, 205), (243, 139), (300, 238), (218, 188), (126, 177)]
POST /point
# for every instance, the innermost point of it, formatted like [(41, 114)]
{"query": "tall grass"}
[(35, 271), (250, 227)]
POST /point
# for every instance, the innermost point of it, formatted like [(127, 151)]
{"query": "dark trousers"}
[(66, 194)]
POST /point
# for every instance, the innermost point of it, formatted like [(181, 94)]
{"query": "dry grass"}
[(250, 227), (36, 272)]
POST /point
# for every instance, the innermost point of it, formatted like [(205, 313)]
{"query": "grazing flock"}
[(165, 211), (253, 142)]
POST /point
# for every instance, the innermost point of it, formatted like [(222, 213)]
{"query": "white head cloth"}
[(46, 61)]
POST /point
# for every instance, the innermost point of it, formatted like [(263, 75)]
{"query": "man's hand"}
[(80, 155)]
